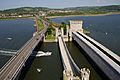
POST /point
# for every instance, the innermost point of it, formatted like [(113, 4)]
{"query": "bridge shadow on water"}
[(92, 63)]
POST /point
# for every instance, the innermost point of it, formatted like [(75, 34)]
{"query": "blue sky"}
[(7, 4)]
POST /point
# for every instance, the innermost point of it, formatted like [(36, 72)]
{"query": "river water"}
[(51, 68), (13, 35), (104, 29)]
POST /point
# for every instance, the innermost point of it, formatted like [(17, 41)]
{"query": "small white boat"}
[(9, 38), (39, 70), (41, 53), (106, 33)]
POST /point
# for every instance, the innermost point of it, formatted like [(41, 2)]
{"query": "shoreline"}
[(16, 18), (50, 17), (112, 13), (50, 40)]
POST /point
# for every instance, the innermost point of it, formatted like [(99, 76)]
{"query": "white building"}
[(75, 25)]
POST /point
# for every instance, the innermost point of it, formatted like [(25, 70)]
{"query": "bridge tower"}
[(75, 25), (62, 32), (56, 29), (85, 74), (67, 32)]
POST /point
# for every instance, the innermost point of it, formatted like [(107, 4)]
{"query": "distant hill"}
[(104, 9), (25, 10), (56, 12), (86, 8)]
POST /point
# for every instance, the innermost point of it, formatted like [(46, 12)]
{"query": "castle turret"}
[(85, 74), (75, 25)]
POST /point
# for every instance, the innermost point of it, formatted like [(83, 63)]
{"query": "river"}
[(104, 29), (13, 35), (51, 67)]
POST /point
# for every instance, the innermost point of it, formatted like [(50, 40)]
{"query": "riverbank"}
[(49, 40), (13, 18), (112, 13)]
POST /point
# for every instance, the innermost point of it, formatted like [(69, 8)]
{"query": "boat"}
[(41, 53), (39, 70), (9, 38), (106, 33)]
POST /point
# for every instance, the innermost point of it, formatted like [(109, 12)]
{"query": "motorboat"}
[(41, 53)]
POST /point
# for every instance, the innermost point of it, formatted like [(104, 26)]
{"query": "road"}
[(15, 64)]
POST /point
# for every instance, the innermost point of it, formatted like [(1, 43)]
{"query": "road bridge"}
[(105, 59), (12, 68)]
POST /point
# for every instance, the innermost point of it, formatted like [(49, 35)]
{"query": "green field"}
[(40, 25)]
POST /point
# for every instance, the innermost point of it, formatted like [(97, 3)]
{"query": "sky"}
[(7, 4)]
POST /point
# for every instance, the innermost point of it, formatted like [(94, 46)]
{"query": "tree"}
[(63, 25)]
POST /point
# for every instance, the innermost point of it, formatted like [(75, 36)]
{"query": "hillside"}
[(112, 8), (30, 11), (25, 10)]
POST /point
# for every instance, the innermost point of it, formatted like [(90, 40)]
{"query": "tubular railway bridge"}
[(105, 59)]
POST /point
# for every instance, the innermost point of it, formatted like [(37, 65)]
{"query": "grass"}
[(40, 25), (50, 37), (86, 31)]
